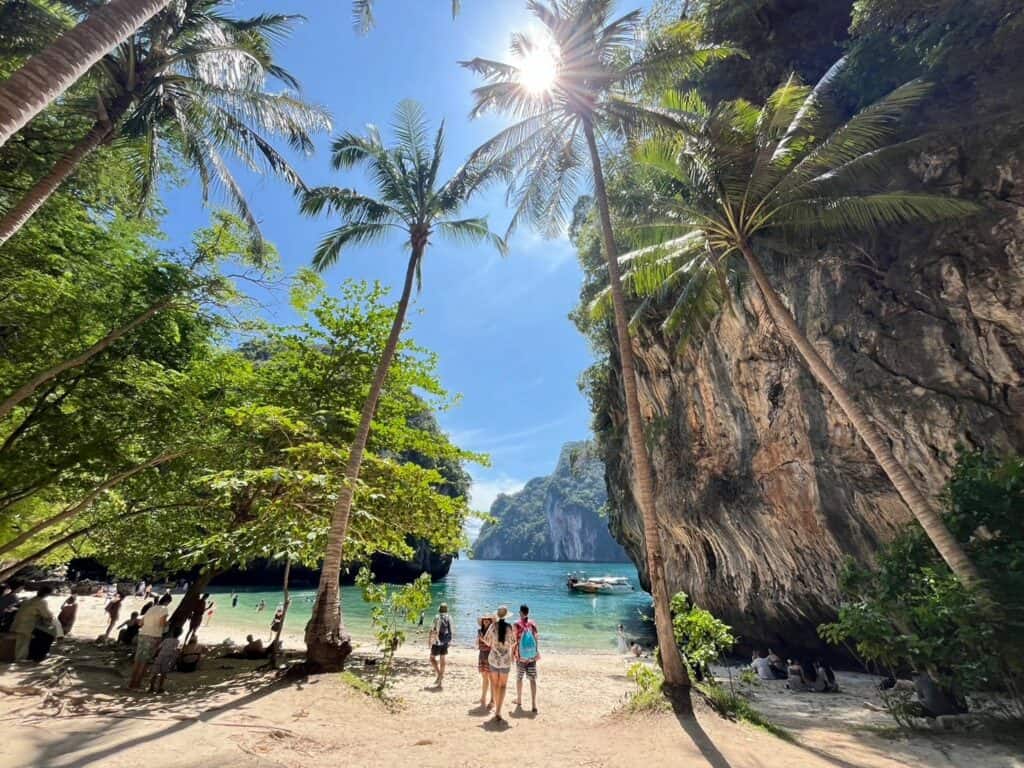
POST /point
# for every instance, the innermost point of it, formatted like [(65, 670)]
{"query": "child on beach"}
[(483, 667)]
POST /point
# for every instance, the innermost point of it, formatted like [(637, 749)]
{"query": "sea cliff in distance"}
[(554, 518)]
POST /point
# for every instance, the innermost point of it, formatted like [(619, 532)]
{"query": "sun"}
[(538, 69)]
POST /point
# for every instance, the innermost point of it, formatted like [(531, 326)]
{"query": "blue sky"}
[(498, 324)]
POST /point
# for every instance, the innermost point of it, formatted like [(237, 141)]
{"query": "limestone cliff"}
[(763, 487), (555, 517)]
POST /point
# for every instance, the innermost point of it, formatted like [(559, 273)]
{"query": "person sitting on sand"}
[(68, 614), (482, 665), (636, 650), (502, 640), (825, 678), (778, 665), (8, 606), (440, 637), (129, 630), (795, 679), (166, 658), (191, 655), (254, 648), (760, 664)]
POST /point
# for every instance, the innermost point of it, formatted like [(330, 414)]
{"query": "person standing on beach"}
[(164, 660), (68, 614), (527, 654), (621, 641), (501, 638), (31, 614), (150, 634), (113, 610), (441, 634), (483, 667)]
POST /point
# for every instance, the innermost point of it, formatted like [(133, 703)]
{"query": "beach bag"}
[(444, 630), (528, 644)]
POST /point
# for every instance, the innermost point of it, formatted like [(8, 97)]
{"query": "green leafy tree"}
[(413, 200), (195, 80), (760, 179), (565, 86), (701, 637)]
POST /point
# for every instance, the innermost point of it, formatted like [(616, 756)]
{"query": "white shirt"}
[(763, 668), (152, 622)]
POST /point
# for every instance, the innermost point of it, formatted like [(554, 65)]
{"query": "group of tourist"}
[(805, 675), (500, 644)]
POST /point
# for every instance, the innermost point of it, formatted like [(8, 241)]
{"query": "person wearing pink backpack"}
[(527, 655)]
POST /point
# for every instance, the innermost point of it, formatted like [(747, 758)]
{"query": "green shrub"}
[(392, 609), (648, 696), (910, 612), (701, 637), (736, 706)]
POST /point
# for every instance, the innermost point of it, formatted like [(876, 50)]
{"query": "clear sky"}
[(498, 324)]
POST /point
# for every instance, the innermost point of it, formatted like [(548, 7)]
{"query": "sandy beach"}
[(73, 711)]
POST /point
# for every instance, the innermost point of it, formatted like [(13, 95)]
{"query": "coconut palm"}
[(363, 18), (197, 81), (564, 87), (411, 199), (45, 76), (752, 180)]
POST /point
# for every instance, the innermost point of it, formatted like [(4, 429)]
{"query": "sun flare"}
[(538, 69)]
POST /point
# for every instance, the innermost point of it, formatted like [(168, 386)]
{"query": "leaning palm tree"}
[(197, 81), (363, 19), (565, 86), (45, 76), (411, 200), (754, 179)]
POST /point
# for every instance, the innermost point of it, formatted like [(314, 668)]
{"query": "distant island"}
[(554, 518)]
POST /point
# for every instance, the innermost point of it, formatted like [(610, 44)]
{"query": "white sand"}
[(72, 714)]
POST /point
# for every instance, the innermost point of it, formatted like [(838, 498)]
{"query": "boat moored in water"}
[(598, 585)]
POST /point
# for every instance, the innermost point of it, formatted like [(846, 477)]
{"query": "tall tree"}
[(198, 82), (49, 73), (410, 199), (751, 180), (567, 85)]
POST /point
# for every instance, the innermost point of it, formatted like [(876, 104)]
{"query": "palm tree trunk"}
[(49, 73), (925, 513), (85, 502), (30, 386), (327, 645), (33, 200), (643, 479)]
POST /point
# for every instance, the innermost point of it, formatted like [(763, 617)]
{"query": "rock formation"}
[(763, 487), (555, 517)]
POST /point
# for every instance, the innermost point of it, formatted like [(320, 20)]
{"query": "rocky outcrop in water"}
[(554, 518)]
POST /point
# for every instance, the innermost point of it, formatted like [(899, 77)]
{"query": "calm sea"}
[(473, 587)]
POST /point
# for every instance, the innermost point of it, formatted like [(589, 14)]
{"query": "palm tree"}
[(363, 19), (49, 73), (196, 80), (411, 199), (753, 179), (565, 86)]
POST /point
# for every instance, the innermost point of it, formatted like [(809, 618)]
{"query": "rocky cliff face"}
[(555, 517), (763, 486)]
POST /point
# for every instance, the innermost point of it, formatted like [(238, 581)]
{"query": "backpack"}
[(528, 644), (444, 630)]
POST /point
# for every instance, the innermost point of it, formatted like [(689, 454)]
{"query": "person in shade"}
[(527, 656), (146, 644), (113, 609), (762, 666), (195, 620), (129, 630), (441, 634), (191, 655), (31, 614), (165, 660), (501, 638), (68, 614)]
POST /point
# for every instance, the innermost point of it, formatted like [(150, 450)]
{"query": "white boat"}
[(598, 585)]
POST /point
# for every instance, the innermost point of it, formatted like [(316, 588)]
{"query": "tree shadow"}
[(688, 721)]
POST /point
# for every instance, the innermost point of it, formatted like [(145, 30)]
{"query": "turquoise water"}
[(473, 587)]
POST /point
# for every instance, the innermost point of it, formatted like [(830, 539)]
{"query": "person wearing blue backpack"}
[(527, 655)]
